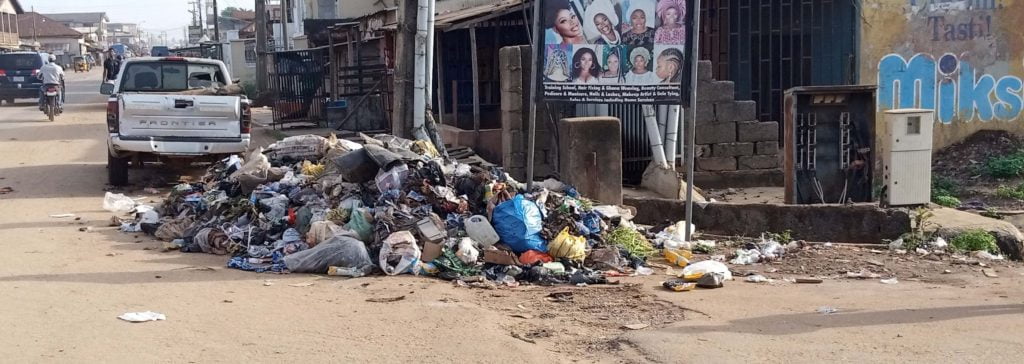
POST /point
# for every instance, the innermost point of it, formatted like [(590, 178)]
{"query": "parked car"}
[(19, 73), (161, 108)]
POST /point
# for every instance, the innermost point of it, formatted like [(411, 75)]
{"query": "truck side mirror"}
[(107, 88)]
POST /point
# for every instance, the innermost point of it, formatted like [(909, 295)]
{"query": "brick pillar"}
[(590, 156)]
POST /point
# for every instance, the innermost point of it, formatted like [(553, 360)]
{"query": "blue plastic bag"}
[(518, 223)]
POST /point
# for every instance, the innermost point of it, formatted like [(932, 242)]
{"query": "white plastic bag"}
[(142, 316), (708, 266), (399, 253), (119, 203), (746, 256), (256, 165), (467, 252)]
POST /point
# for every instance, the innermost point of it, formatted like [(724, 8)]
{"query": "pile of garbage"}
[(388, 205)]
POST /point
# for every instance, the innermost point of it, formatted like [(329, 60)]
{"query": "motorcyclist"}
[(52, 75)]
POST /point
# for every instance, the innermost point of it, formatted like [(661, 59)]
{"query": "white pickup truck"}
[(170, 109)]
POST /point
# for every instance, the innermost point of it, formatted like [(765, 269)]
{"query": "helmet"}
[(53, 58)]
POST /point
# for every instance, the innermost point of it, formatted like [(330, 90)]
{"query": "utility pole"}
[(216, 23), (35, 38), (285, 10), (261, 46), (405, 44)]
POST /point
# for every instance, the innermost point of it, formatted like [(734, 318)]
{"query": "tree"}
[(230, 11)]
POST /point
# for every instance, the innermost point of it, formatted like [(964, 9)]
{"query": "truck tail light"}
[(245, 123), (3, 73), (113, 116)]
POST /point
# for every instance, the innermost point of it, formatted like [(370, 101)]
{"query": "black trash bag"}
[(357, 166), (340, 251), (383, 157), (433, 173)]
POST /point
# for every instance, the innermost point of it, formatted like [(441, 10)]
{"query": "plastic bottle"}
[(345, 272), (478, 228)]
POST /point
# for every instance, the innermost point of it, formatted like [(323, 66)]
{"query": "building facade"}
[(9, 38), (92, 25)]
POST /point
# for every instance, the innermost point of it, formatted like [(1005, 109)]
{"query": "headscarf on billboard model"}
[(671, 29), (641, 73), (600, 23)]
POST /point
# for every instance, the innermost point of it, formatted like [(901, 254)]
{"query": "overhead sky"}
[(154, 15)]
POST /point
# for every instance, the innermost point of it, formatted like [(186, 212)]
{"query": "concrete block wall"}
[(514, 63), (729, 136)]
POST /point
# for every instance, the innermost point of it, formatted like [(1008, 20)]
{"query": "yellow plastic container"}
[(678, 257)]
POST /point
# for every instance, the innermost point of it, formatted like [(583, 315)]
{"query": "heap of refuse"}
[(388, 205)]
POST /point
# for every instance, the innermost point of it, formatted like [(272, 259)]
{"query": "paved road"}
[(61, 290)]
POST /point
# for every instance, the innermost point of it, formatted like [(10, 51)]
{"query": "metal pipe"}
[(430, 56), (531, 137), (692, 130), (654, 136), (419, 105), (671, 134)]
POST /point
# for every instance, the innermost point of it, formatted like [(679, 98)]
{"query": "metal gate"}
[(769, 46), (298, 82)]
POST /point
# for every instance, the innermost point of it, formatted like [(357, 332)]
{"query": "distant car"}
[(19, 75), (160, 51)]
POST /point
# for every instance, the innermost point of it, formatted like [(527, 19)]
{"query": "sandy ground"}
[(63, 288)]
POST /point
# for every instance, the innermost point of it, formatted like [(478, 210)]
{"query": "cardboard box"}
[(495, 255), (431, 251)]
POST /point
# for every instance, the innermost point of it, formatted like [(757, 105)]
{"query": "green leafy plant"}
[(944, 186), (1016, 193), (975, 240), (1007, 166), (633, 241), (947, 201), (917, 236), (991, 213), (782, 238)]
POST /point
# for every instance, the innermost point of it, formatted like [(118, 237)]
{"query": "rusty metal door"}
[(299, 82)]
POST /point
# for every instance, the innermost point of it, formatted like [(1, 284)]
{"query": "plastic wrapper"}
[(399, 254), (118, 203), (339, 251), (707, 266), (518, 223)]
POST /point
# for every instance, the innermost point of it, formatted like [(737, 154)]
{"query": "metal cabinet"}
[(907, 157)]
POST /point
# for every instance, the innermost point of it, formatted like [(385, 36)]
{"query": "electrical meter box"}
[(907, 157), (829, 144)]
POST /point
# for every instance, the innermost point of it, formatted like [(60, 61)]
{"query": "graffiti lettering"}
[(936, 5), (950, 86), (955, 31)]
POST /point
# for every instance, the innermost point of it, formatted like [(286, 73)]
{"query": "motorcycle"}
[(51, 106)]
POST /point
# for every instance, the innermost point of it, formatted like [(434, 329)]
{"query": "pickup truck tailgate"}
[(162, 115)]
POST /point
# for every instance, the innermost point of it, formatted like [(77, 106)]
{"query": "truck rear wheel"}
[(117, 170)]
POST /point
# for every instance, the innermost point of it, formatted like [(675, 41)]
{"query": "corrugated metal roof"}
[(467, 15)]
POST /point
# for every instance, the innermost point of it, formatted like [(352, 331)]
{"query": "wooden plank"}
[(476, 82)]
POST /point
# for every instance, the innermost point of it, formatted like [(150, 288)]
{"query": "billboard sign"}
[(616, 51)]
